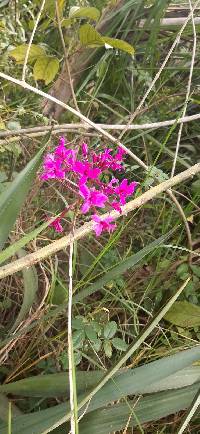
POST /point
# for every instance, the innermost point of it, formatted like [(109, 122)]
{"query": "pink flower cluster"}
[(87, 176)]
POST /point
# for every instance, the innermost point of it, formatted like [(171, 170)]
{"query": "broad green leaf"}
[(85, 12), (60, 294), (4, 406), (118, 44), (110, 329), (119, 269), (30, 279), (89, 36), (90, 333), (184, 314), (46, 68), (166, 373), (119, 344), (12, 199), (149, 408), (13, 248), (19, 53)]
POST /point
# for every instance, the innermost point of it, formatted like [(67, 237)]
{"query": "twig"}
[(188, 89), (73, 419), (84, 230), (66, 57), (71, 126), (160, 70), (31, 40)]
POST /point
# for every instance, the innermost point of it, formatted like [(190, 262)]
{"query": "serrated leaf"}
[(30, 279), (19, 53), (90, 333), (118, 44), (96, 345), (107, 348), (86, 12), (12, 199), (46, 68), (78, 339), (110, 329), (77, 323), (89, 36), (184, 314), (119, 344)]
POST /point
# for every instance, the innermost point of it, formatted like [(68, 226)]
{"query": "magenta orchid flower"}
[(92, 197), (124, 190), (57, 225), (87, 177), (52, 168), (102, 224), (86, 171)]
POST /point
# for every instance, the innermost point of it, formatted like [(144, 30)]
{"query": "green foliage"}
[(184, 314), (84, 12), (30, 279), (90, 37), (19, 53), (13, 198), (46, 68)]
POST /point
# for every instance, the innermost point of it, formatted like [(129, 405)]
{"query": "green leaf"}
[(60, 294), (30, 279), (13, 198), (85, 12), (4, 408), (119, 269), (119, 344), (19, 53), (96, 345), (195, 269), (13, 248), (182, 269), (90, 333), (107, 348), (46, 68), (89, 36), (78, 339), (110, 329), (196, 187), (118, 44), (184, 314), (165, 373), (77, 323), (149, 408)]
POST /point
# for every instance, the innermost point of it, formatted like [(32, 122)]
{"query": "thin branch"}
[(188, 89), (31, 40), (73, 419), (84, 230), (72, 126), (160, 70)]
